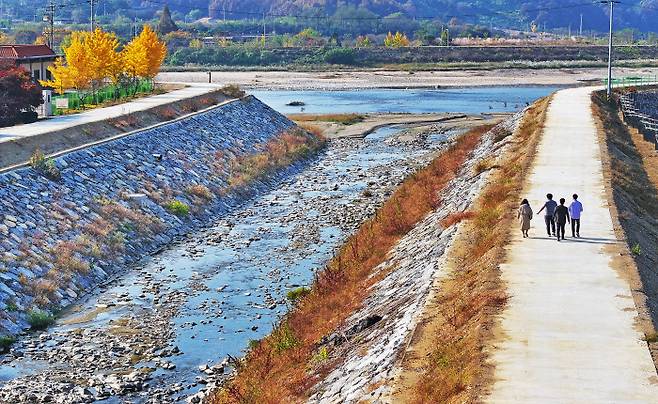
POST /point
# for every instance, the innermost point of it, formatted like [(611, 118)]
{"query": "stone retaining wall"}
[(60, 238)]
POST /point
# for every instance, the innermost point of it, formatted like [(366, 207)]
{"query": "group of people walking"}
[(556, 216)]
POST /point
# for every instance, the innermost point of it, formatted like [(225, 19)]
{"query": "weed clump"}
[(280, 151), (45, 166), (178, 208), (233, 91), (39, 320), (200, 191), (297, 294), (6, 342), (636, 250)]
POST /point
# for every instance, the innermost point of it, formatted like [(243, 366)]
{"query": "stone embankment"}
[(370, 343), (109, 205)]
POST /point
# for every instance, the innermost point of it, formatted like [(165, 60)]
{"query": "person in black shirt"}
[(561, 218)]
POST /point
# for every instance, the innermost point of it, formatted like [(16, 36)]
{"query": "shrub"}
[(167, 113), (200, 191), (44, 166), (233, 91), (322, 355), (178, 208), (39, 320), (340, 56), (296, 294), (636, 249), (29, 116), (5, 343)]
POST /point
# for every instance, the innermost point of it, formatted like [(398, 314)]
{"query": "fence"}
[(640, 110), (632, 81), (110, 92)]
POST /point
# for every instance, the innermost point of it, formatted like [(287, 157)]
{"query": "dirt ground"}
[(364, 79)]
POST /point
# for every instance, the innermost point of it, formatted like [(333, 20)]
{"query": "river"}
[(162, 330)]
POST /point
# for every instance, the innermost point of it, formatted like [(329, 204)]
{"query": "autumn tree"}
[(143, 56), (102, 58), (363, 42), (396, 41), (77, 73), (19, 94)]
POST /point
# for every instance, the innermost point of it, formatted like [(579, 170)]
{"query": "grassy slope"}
[(447, 359)]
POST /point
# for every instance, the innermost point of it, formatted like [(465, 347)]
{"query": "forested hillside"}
[(369, 15)]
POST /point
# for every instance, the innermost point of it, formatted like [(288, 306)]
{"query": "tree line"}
[(94, 59)]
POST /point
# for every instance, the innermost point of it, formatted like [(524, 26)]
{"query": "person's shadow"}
[(588, 240)]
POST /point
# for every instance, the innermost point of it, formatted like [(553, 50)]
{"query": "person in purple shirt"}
[(575, 209)]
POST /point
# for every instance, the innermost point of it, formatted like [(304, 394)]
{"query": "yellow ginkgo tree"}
[(396, 41), (102, 57), (77, 73), (143, 56)]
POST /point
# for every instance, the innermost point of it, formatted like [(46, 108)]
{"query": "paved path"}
[(569, 334), (67, 121)]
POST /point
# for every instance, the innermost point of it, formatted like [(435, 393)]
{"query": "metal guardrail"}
[(632, 81)]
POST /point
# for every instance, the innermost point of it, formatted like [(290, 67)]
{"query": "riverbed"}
[(164, 330)]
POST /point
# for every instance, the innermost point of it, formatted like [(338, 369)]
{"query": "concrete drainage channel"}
[(161, 331)]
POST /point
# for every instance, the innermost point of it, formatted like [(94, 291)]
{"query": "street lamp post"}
[(612, 10)]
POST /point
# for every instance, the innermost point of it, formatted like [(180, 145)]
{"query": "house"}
[(34, 58)]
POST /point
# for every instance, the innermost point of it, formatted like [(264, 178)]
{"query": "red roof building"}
[(34, 58)]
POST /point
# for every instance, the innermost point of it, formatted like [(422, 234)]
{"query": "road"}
[(95, 115), (569, 333)]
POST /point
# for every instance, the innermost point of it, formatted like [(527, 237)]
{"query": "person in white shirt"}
[(575, 209)]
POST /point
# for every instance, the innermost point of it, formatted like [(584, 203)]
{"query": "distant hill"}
[(641, 15), (332, 15)]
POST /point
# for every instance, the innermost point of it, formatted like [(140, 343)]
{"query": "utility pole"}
[(51, 22), (91, 19), (612, 10)]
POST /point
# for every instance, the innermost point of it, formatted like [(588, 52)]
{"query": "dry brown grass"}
[(313, 129), (456, 217), (167, 113), (276, 369), (448, 360), (200, 191), (279, 152)]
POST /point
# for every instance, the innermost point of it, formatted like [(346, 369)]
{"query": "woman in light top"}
[(524, 215)]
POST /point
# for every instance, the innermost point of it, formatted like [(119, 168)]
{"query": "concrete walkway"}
[(568, 332), (95, 115)]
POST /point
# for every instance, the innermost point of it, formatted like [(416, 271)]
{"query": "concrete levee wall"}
[(59, 238)]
